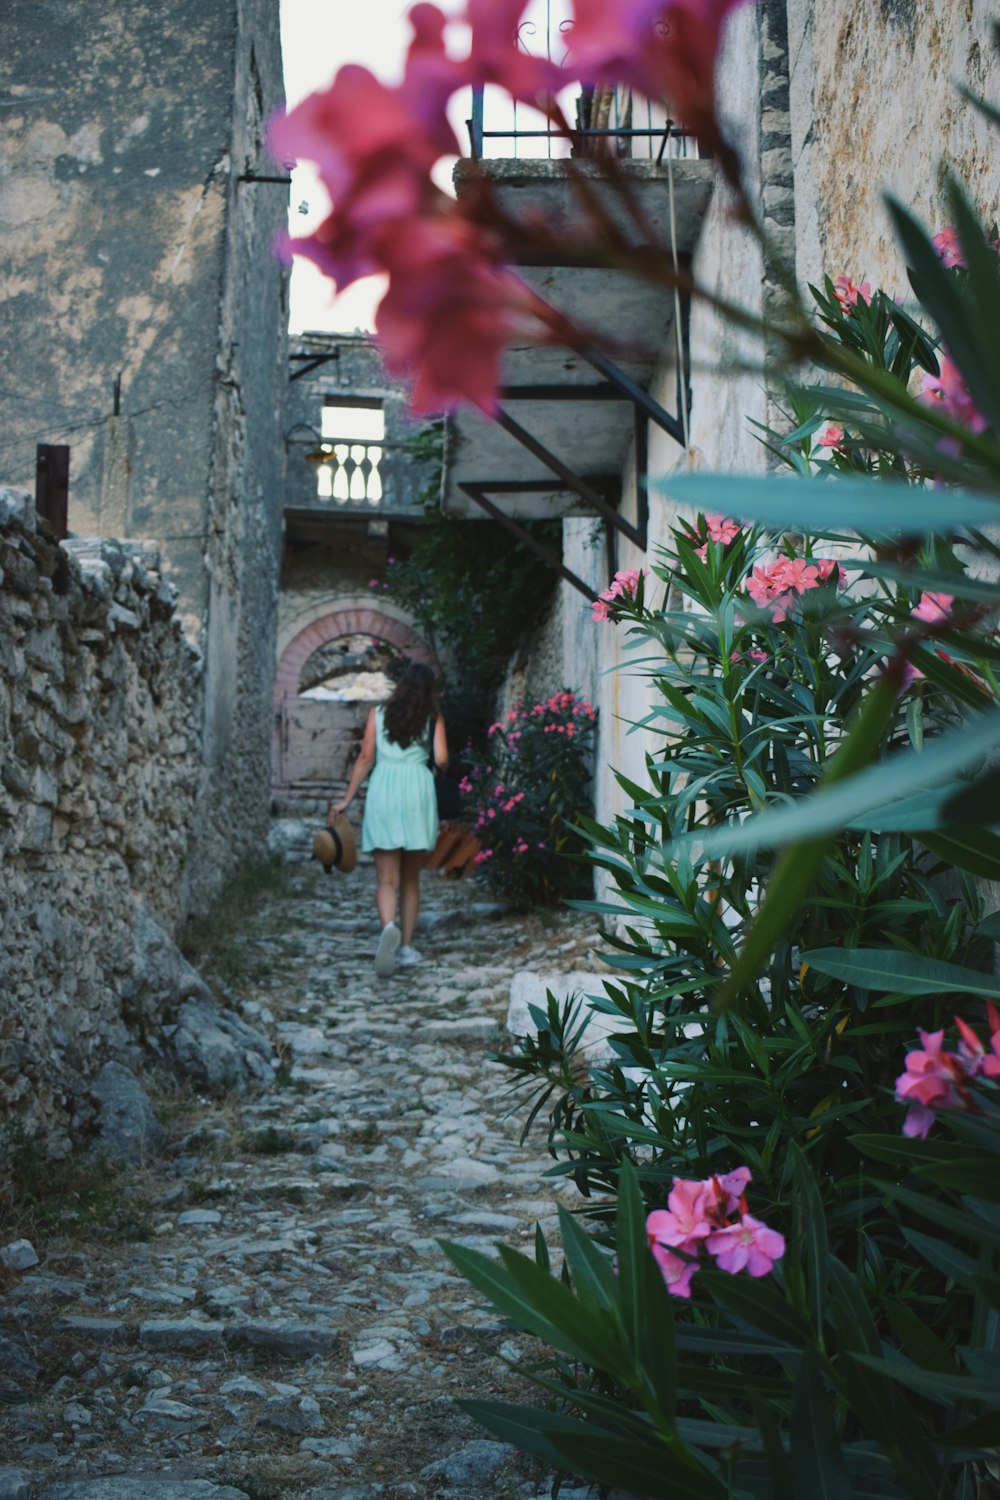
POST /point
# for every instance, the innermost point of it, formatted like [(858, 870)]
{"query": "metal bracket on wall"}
[(616, 386)]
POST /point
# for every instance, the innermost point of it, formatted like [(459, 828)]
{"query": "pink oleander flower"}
[(933, 609), (699, 1215), (847, 292), (599, 610), (663, 48), (748, 1245), (482, 856), (775, 586), (947, 245), (949, 389), (676, 1272), (685, 1220), (977, 1061), (495, 57), (758, 655), (934, 1079), (465, 785), (722, 530), (832, 436)]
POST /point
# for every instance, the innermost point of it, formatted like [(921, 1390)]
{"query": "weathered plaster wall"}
[(130, 248), (729, 387), (98, 758), (874, 106), (245, 480)]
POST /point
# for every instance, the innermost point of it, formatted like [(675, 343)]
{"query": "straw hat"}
[(335, 846)]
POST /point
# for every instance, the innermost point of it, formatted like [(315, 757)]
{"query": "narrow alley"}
[(272, 1317)]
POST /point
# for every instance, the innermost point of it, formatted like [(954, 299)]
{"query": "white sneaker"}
[(408, 956), (387, 950)]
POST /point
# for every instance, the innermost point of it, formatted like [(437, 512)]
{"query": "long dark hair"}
[(413, 703)]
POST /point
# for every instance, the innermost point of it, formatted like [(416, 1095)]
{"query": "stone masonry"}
[(98, 730)]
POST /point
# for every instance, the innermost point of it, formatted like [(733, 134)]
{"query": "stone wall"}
[(875, 106), (98, 776), (137, 241)]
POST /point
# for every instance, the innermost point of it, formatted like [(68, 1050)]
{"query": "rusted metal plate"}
[(52, 486)]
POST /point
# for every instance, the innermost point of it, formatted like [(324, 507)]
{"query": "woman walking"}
[(400, 822)]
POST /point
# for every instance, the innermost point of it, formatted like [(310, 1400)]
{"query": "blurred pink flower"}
[(747, 1245), (495, 57), (832, 436), (946, 243), (847, 292), (676, 1272), (950, 390), (663, 48), (933, 609)]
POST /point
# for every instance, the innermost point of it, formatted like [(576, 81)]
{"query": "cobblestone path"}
[(283, 1323)]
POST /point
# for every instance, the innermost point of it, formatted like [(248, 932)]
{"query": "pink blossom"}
[(977, 1061), (599, 610), (757, 654), (663, 48), (933, 1079), (946, 243), (748, 1244), (951, 392), (684, 1221), (465, 785), (495, 57), (775, 586), (933, 609), (847, 292), (676, 1272), (721, 530), (482, 856), (832, 436)]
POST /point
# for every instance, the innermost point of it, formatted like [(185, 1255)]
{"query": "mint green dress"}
[(401, 804)]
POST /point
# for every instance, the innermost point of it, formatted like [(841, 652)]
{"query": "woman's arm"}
[(363, 764), (440, 744)]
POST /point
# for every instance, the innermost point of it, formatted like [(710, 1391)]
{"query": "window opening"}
[(354, 440)]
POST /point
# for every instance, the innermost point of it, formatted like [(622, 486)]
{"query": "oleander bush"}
[(526, 793)]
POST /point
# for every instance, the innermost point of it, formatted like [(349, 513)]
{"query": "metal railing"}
[(605, 126), (607, 121)]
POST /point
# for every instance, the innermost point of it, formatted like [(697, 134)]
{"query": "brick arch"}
[(361, 621)]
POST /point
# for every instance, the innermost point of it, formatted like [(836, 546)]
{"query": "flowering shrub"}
[(525, 793)]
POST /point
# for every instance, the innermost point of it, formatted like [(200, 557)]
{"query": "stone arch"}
[(363, 620), (330, 728)]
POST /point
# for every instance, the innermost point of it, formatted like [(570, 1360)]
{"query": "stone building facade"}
[(98, 790), (832, 106), (143, 316)]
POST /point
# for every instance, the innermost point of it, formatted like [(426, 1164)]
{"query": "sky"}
[(317, 38)]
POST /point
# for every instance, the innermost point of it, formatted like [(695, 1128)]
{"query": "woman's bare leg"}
[(387, 879), (411, 863)]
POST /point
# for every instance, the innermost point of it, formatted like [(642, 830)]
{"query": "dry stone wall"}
[(98, 774)]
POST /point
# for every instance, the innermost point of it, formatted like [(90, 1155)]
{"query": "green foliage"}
[(216, 941), (79, 1194), (790, 895), (474, 591), (526, 791)]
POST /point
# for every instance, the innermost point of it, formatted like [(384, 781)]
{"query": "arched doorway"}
[(328, 676)]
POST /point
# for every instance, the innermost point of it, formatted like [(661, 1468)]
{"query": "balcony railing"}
[(353, 476), (609, 122)]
